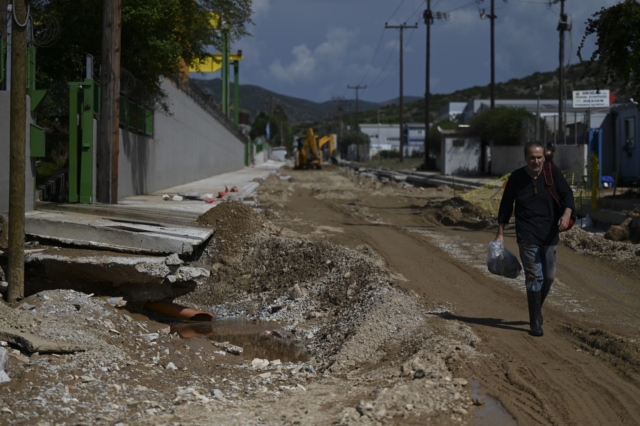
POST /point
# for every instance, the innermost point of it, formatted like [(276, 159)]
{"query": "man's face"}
[(535, 159)]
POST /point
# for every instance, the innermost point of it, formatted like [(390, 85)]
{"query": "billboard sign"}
[(591, 99)]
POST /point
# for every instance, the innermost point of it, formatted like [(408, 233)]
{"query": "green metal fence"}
[(135, 117)]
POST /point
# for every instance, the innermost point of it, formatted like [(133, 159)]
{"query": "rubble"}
[(4, 377)]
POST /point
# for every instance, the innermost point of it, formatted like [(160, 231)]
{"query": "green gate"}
[(83, 107)]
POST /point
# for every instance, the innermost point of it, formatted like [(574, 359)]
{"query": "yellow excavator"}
[(311, 150)]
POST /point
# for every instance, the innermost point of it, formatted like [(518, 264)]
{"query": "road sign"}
[(591, 99)]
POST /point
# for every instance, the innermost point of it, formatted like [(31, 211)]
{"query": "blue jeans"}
[(539, 263)]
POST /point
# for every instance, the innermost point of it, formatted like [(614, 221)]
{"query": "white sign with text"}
[(591, 99)]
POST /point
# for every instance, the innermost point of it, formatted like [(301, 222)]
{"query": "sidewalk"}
[(143, 223)]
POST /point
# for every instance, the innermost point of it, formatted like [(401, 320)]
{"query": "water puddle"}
[(258, 340), (491, 412)]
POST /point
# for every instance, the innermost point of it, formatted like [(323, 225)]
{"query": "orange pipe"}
[(177, 311)]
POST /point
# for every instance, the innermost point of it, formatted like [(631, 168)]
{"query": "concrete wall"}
[(278, 154), (188, 145), (459, 155), (30, 169), (569, 158)]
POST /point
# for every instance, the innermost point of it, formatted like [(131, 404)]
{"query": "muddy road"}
[(354, 302), (586, 368)]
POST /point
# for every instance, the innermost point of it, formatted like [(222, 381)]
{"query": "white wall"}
[(568, 158), (505, 159), (278, 154), (459, 155), (188, 145), (30, 170)]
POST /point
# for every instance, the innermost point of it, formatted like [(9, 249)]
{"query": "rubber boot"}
[(546, 287), (534, 299)]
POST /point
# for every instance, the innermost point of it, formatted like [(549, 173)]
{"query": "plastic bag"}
[(500, 261)]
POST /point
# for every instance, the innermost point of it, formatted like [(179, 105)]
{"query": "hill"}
[(255, 99), (517, 88)]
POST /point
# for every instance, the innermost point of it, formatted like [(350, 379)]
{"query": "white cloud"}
[(328, 58), (260, 8)]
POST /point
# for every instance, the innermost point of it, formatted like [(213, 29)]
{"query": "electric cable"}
[(395, 66), (15, 18)]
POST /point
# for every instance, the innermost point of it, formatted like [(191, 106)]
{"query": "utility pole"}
[(401, 28), (340, 101), (109, 143), (17, 132), (429, 17), (357, 89), (492, 16), (563, 26)]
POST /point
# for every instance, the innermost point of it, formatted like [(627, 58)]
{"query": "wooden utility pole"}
[(18, 138), (493, 53), (109, 143), (340, 109), (492, 16), (357, 126), (429, 18), (401, 28), (563, 26)]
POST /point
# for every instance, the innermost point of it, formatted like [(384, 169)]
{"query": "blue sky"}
[(313, 49)]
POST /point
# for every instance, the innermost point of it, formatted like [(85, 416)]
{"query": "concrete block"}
[(134, 277), (90, 231)]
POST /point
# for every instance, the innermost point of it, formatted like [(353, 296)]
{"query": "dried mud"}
[(378, 283)]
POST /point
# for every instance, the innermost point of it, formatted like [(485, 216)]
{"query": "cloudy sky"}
[(313, 49)]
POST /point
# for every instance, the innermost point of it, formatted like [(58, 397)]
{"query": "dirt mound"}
[(274, 265), (234, 223), (596, 245), (457, 212)]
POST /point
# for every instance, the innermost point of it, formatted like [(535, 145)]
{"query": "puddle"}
[(258, 340), (491, 412)]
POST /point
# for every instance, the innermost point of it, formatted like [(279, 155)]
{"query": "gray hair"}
[(532, 144)]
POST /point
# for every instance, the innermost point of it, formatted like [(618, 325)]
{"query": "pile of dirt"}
[(596, 245), (341, 302), (234, 223), (457, 212)]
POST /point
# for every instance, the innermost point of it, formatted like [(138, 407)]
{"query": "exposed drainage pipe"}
[(176, 311)]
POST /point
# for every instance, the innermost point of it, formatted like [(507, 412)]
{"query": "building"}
[(383, 137), (548, 107), (452, 111), (386, 137), (414, 136)]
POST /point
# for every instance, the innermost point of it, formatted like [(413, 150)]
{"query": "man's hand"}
[(499, 236), (565, 220)]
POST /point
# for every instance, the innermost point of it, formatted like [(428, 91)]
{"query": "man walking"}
[(538, 223)]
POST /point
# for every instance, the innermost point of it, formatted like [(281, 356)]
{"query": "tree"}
[(280, 131), (502, 125), (434, 134), (617, 54), (155, 35), (352, 137)]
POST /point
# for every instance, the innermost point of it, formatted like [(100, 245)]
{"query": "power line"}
[(375, 54)]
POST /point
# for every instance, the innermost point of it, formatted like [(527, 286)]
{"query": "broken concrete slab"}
[(135, 277), (32, 343), (90, 231)]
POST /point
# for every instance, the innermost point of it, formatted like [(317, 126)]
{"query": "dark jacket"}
[(537, 213)]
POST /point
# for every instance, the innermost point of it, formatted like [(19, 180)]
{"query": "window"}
[(458, 143), (630, 131)]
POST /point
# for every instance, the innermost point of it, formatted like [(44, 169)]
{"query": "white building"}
[(452, 111), (384, 137)]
